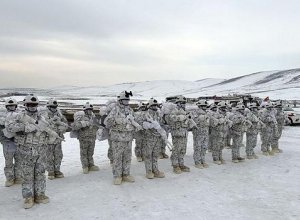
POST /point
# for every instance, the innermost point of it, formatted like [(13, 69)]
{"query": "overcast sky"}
[(85, 42)]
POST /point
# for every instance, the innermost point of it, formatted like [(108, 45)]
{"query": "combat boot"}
[(94, 168), (41, 199), (265, 153), (255, 156), (28, 203), (199, 166), (205, 165), (223, 161), (165, 156), (9, 183), (241, 159), (117, 181), (235, 160), (18, 180), (249, 157), (128, 178), (271, 153), (59, 174), (177, 170), (184, 168), (161, 156), (159, 174), (276, 150), (218, 162), (149, 175), (139, 159), (51, 175), (85, 170)]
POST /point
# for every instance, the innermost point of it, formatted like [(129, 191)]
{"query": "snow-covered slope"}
[(284, 84), (160, 88), (287, 82)]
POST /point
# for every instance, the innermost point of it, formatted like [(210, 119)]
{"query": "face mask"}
[(153, 108), (53, 109), (181, 105), (125, 102), (203, 108), (11, 108), (88, 112), (222, 109), (31, 108)]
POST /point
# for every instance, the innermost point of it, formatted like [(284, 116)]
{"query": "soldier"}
[(219, 126), (140, 135), (252, 132), (12, 169), (122, 126), (84, 124), (164, 125), (60, 125), (229, 113), (201, 134), (31, 144), (179, 123), (153, 139), (237, 130), (280, 118), (266, 115)]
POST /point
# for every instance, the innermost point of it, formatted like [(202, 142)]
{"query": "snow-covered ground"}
[(267, 188)]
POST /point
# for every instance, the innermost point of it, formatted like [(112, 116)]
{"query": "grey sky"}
[(85, 42)]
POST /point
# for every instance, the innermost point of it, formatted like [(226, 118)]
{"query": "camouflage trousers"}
[(87, 147), (228, 139), (151, 152), (276, 137), (251, 141), (162, 144), (33, 169), (139, 145), (217, 145), (109, 152), (266, 139), (54, 157), (179, 150), (12, 169), (122, 151), (237, 141), (200, 146)]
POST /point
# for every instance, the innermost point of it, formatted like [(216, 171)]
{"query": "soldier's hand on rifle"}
[(30, 128), (181, 117)]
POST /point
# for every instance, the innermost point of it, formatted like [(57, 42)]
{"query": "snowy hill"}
[(283, 84)]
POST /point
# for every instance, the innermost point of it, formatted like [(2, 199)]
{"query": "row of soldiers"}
[(32, 138)]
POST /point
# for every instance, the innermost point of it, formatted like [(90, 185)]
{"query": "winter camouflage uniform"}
[(280, 118), (229, 131), (12, 169), (139, 136), (162, 143), (179, 124), (121, 133), (32, 148), (237, 131), (252, 133), (200, 135), (84, 125), (268, 118), (58, 124), (153, 140), (219, 124)]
